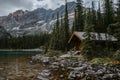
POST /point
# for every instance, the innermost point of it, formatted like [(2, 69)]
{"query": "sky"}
[(9, 6)]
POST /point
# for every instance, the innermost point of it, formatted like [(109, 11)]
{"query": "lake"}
[(13, 61), (8, 56), (20, 52)]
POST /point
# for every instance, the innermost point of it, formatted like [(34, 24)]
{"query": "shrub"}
[(117, 55)]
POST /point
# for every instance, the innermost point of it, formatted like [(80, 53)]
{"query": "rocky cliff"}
[(33, 22)]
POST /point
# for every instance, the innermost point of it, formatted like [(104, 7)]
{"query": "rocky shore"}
[(40, 67), (18, 68), (58, 68)]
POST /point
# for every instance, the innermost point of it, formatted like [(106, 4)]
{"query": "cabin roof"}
[(100, 36)]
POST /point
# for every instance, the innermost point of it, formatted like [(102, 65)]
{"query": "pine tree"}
[(57, 32), (66, 27), (56, 35), (100, 26), (109, 13), (75, 28), (118, 11), (62, 34), (116, 27), (79, 16), (108, 19), (53, 36), (88, 43), (100, 22), (108, 43), (93, 14), (57, 26)]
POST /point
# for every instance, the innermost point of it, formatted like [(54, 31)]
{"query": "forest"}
[(24, 42), (103, 19)]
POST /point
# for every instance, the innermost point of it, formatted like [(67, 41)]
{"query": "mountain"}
[(33, 22), (3, 33)]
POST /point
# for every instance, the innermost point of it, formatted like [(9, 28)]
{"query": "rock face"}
[(3, 33), (68, 69), (33, 22)]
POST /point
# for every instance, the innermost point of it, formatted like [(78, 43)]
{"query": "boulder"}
[(44, 75)]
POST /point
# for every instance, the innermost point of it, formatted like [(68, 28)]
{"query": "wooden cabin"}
[(77, 38)]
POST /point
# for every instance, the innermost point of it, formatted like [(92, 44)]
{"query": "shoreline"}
[(21, 50)]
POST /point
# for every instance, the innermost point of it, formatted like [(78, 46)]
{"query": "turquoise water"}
[(19, 52), (9, 57), (13, 62)]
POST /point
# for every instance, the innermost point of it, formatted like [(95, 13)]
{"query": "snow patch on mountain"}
[(34, 22)]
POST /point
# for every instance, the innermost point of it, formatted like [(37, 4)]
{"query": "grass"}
[(95, 60), (106, 60), (52, 53)]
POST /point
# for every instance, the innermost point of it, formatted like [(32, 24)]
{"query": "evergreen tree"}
[(93, 14), (56, 35), (108, 19), (34, 41), (66, 27), (88, 43), (99, 28), (115, 28), (79, 22), (75, 28), (57, 30), (62, 34), (100, 22), (118, 11), (108, 13), (108, 43), (53, 36)]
